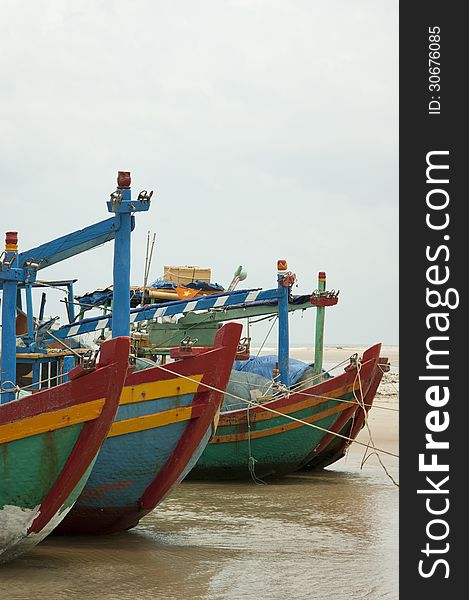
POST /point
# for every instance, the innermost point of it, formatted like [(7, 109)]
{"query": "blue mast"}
[(285, 280), (22, 268), (122, 205), (9, 277)]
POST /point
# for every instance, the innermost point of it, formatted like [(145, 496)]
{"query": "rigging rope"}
[(272, 410), (371, 441), (268, 387), (251, 460)]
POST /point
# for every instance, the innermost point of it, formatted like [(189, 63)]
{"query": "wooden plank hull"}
[(257, 443), (163, 424), (48, 444)]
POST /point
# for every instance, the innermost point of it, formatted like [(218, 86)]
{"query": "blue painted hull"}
[(164, 422)]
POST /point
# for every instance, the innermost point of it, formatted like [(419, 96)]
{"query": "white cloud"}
[(268, 129)]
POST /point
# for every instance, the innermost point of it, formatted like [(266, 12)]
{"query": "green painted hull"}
[(29, 466), (273, 455), (260, 443), (334, 451)]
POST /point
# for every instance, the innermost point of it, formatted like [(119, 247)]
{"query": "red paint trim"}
[(323, 301), (358, 416), (336, 428), (216, 364), (62, 396), (188, 352), (106, 381), (334, 385), (11, 237), (370, 396), (282, 265)]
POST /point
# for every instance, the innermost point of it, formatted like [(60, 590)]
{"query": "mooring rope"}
[(348, 401), (272, 410), (268, 387), (251, 460), (365, 412), (390, 382)]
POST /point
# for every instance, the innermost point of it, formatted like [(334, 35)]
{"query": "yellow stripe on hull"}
[(144, 422), (238, 437), (51, 421), (263, 415), (168, 388)]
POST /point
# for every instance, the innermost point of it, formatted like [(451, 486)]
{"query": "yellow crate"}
[(186, 274)]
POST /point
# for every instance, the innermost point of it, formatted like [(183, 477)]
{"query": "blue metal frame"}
[(10, 276), (8, 368), (283, 334), (21, 268), (165, 309), (221, 301), (69, 245), (121, 203)]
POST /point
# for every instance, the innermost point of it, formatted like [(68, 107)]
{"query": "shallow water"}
[(329, 535)]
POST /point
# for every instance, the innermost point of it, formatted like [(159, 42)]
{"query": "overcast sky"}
[(267, 129)]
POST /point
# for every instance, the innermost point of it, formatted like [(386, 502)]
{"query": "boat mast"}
[(284, 282), (122, 205), (9, 277), (319, 339)]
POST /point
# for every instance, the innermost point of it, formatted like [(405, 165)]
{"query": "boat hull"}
[(333, 447), (48, 444), (163, 424), (259, 444)]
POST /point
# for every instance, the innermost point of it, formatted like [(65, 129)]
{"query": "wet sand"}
[(321, 536)]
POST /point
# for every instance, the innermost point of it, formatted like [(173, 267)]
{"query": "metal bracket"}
[(188, 342), (145, 196), (116, 198), (324, 298)]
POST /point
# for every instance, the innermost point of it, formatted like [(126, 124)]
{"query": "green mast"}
[(320, 315)]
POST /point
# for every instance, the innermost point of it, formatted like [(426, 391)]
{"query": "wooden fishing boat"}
[(331, 408), (48, 444), (49, 440), (333, 447), (286, 429), (165, 419), (261, 441)]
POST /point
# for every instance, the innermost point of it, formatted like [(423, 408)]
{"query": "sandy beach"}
[(333, 531)]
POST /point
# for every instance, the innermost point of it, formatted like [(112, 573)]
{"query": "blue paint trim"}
[(68, 245), (121, 203), (67, 365), (224, 300), (283, 334), (152, 407), (29, 313), (8, 358), (121, 276)]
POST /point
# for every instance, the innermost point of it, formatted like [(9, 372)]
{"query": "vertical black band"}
[(433, 258)]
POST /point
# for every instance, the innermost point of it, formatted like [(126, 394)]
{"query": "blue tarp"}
[(264, 365), (100, 297), (204, 286), (96, 298), (198, 284), (163, 284)]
